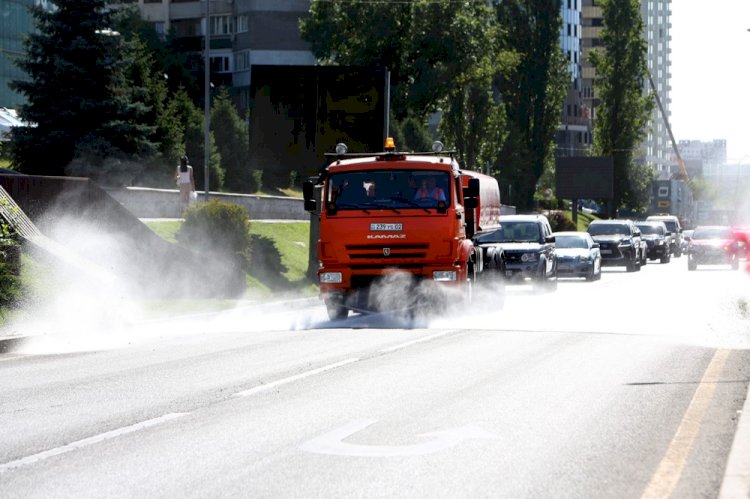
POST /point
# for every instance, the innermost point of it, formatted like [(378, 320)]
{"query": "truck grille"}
[(377, 252)]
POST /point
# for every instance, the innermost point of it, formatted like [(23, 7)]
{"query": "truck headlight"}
[(528, 257), (444, 275), (330, 278)]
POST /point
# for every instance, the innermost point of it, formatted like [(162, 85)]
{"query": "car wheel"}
[(692, 265), (665, 258), (591, 275), (631, 265), (735, 263)]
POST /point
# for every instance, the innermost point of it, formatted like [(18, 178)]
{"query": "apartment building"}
[(243, 34)]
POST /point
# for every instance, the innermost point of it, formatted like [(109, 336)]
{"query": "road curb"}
[(736, 481)]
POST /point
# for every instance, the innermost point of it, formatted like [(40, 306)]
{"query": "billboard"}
[(584, 177), (299, 113)]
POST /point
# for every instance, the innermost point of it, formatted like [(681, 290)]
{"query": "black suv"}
[(620, 243), (528, 248), (658, 239)]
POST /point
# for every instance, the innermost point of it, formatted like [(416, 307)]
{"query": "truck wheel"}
[(336, 311)]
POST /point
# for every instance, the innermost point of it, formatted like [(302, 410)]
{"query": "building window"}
[(242, 24), (220, 64), (242, 60), (221, 25)]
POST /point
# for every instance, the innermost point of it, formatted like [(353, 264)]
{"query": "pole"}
[(207, 99), (387, 104)]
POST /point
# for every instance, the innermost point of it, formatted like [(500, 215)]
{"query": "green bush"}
[(559, 222), (220, 230), (10, 266)]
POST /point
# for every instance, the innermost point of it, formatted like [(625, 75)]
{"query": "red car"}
[(713, 244)]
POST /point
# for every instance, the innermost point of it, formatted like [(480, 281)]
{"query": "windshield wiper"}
[(379, 206), (409, 202)]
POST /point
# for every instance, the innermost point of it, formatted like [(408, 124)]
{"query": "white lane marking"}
[(88, 441), (673, 463), (414, 342), (331, 443), (268, 386)]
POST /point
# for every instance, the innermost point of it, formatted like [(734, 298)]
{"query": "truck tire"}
[(336, 311)]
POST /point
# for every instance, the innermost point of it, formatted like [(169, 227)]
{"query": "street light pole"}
[(207, 98)]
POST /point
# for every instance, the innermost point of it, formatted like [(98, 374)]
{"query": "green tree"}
[(78, 95), (533, 90), (232, 141), (441, 55), (623, 113), (191, 121)]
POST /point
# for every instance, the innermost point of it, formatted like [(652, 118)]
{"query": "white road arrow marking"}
[(332, 442)]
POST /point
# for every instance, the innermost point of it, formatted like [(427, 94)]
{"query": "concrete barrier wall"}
[(165, 203)]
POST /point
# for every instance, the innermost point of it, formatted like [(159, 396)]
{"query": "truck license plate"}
[(386, 227)]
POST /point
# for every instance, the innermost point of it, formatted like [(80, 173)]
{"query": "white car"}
[(578, 255)]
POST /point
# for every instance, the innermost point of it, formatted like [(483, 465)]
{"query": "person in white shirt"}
[(185, 181)]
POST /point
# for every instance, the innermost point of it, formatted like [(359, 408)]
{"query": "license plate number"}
[(386, 227)]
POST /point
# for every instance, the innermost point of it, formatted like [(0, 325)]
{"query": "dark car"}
[(527, 246), (620, 243), (577, 255), (673, 226), (712, 245), (658, 240)]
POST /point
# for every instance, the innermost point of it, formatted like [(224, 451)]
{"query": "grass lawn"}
[(291, 241)]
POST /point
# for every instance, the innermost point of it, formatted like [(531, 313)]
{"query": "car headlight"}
[(331, 278), (660, 243), (529, 257), (443, 275), (626, 242)]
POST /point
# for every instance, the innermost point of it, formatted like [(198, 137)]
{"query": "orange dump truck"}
[(397, 212)]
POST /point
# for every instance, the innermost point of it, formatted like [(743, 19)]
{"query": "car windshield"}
[(713, 233), (570, 242), (651, 229), (608, 229), (388, 189), (513, 231)]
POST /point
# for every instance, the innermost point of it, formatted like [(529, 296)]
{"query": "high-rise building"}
[(573, 137), (657, 147), (16, 23)]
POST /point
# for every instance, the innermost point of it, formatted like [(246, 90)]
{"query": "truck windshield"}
[(388, 189)]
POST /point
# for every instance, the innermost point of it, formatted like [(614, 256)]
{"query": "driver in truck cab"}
[(429, 190)]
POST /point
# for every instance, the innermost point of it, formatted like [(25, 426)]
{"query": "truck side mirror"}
[(308, 189), (472, 190)]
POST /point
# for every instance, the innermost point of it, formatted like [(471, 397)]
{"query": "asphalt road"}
[(631, 386)]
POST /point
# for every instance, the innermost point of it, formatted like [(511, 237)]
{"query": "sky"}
[(711, 73)]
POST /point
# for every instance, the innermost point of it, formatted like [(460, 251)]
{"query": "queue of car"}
[(532, 252)]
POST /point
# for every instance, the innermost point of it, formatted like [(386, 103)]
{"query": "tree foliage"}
[(622, 116), (441, 56), (232, 142), (79, 97), (192, 123), (533, 91)]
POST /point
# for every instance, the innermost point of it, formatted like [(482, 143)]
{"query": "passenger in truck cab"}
[(429, 191)]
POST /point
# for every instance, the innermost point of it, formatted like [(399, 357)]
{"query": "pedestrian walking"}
[(186, 182)]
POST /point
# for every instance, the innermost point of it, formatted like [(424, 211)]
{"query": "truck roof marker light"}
[(437, 146), (390, 145), (341, 149)]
